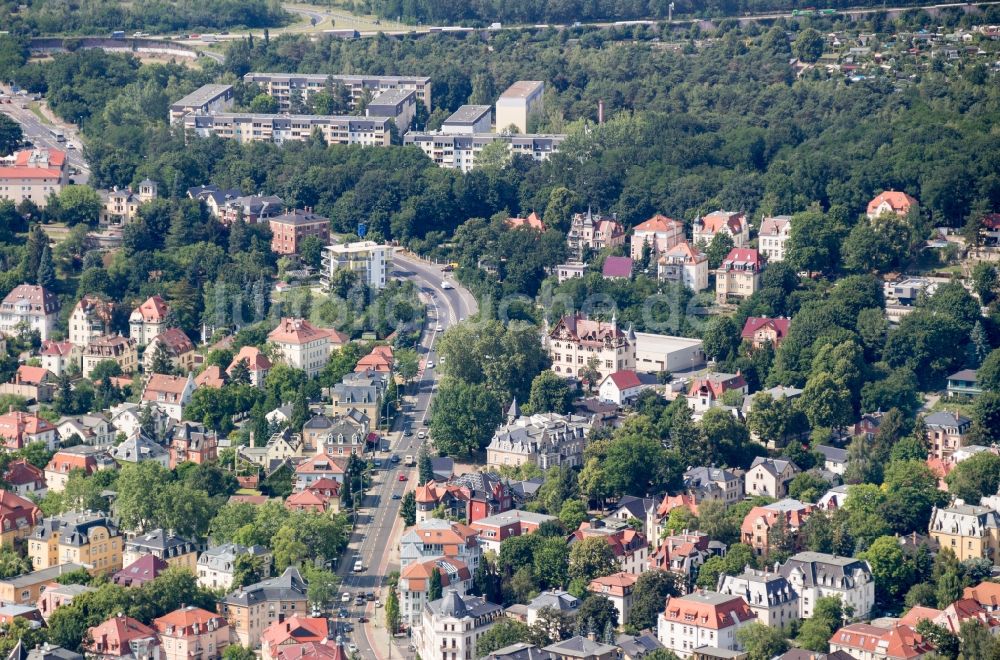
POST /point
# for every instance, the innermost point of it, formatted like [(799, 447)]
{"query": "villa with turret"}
[(577, 341)]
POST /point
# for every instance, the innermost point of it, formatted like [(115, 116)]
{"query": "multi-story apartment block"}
[(769, 477), (29, 307), (972, 532), (459, 150), (207, 99), (946, 432), (249, 127), (191, 633), (773, 237), (250, 610), (304, 346), (217, 565), (415, 579), (518, 102), (341, 435), (468, 120), (290, 229), (576, 342), (702, 618), (617, 588), (686, 264), (171, 548), (868, 642), (320, 466), (891, 202), (731, 223), (814, 575), (118, 349), (251, 209), (594, 233), (451, 626), (739, 274), (370, 260), (714, 483), (440, 538), (23, 478), (768, 593), (33, 175), (359, 391), (283, 86), (92, 318), (148, 320), (18, 516), (19, 429), (545, 440), (89, 538), (121, 207), (659, 233), (399, 105)]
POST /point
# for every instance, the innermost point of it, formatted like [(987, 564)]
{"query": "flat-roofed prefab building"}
[(281, 85), (520, 101), (335, 129), (207, 99), (398, 105), (469, 120), (655, 353), (459, 151)]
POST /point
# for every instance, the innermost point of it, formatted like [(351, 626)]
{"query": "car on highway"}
[(402, 477), (407, 431), (359, 600), (343, 613), (394, 458), (352, 647), (362, 618), (397, 496), (445, 284)]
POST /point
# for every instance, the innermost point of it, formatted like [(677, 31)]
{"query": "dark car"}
[(343, 613), (397, 496)]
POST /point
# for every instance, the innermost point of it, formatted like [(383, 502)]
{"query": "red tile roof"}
[(743, 258), (163, 383), (531, 222), (213, 376), (624, 380), (17, 512), (322, 463), (986, 594), (56, 348), (32, 375), (294, 630), (154, 310), (114, 636), (713, 223), (256, 360), (184, 619), (707, 610), (301, 331), (755, 323), (899, 642), (21, 473), (15, 425), (660, 223), (717, 384), (616, 584), (56, 157), (686, 251), (324, 650), (174, 341), (899, 202)]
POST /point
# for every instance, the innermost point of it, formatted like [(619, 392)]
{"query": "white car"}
[(445, 284), (440, 328), (421, 435), (346, 598), (430, 364), (352, 647)]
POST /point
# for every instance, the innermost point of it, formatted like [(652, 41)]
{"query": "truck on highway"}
[(118, 34), (58, 135)]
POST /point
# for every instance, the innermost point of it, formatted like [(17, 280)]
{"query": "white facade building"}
[(30, 307), (702, 618), (774, 234), (814, 575), (370, 260), (451, 626)]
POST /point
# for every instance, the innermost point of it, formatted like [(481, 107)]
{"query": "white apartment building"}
[(91, 319), (30, 307), (121, 207), (217, 565), (459, 150), (617, 588), (546, 440), (814, 575), (33, 174), (702, 618), (370, 260), (206, 99), (148, 320), (451, 626), (415, 579), (518, 102), (659, 233), (576, 341), (283, 85), (769, 594), (304, 346), (686, 264), (469, 120), (774, 234), (435, 538), (170, 393), (249, 127)]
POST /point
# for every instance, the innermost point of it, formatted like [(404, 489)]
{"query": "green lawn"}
[(38, 113)]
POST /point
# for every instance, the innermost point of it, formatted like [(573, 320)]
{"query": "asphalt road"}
[(40, 135), (379, 525)]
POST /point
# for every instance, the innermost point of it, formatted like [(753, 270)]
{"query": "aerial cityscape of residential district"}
[(481, 330)]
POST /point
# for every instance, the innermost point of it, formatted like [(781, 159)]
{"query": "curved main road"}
[(377, 533)]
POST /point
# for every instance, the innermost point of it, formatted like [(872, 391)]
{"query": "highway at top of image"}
[(378, 522)]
